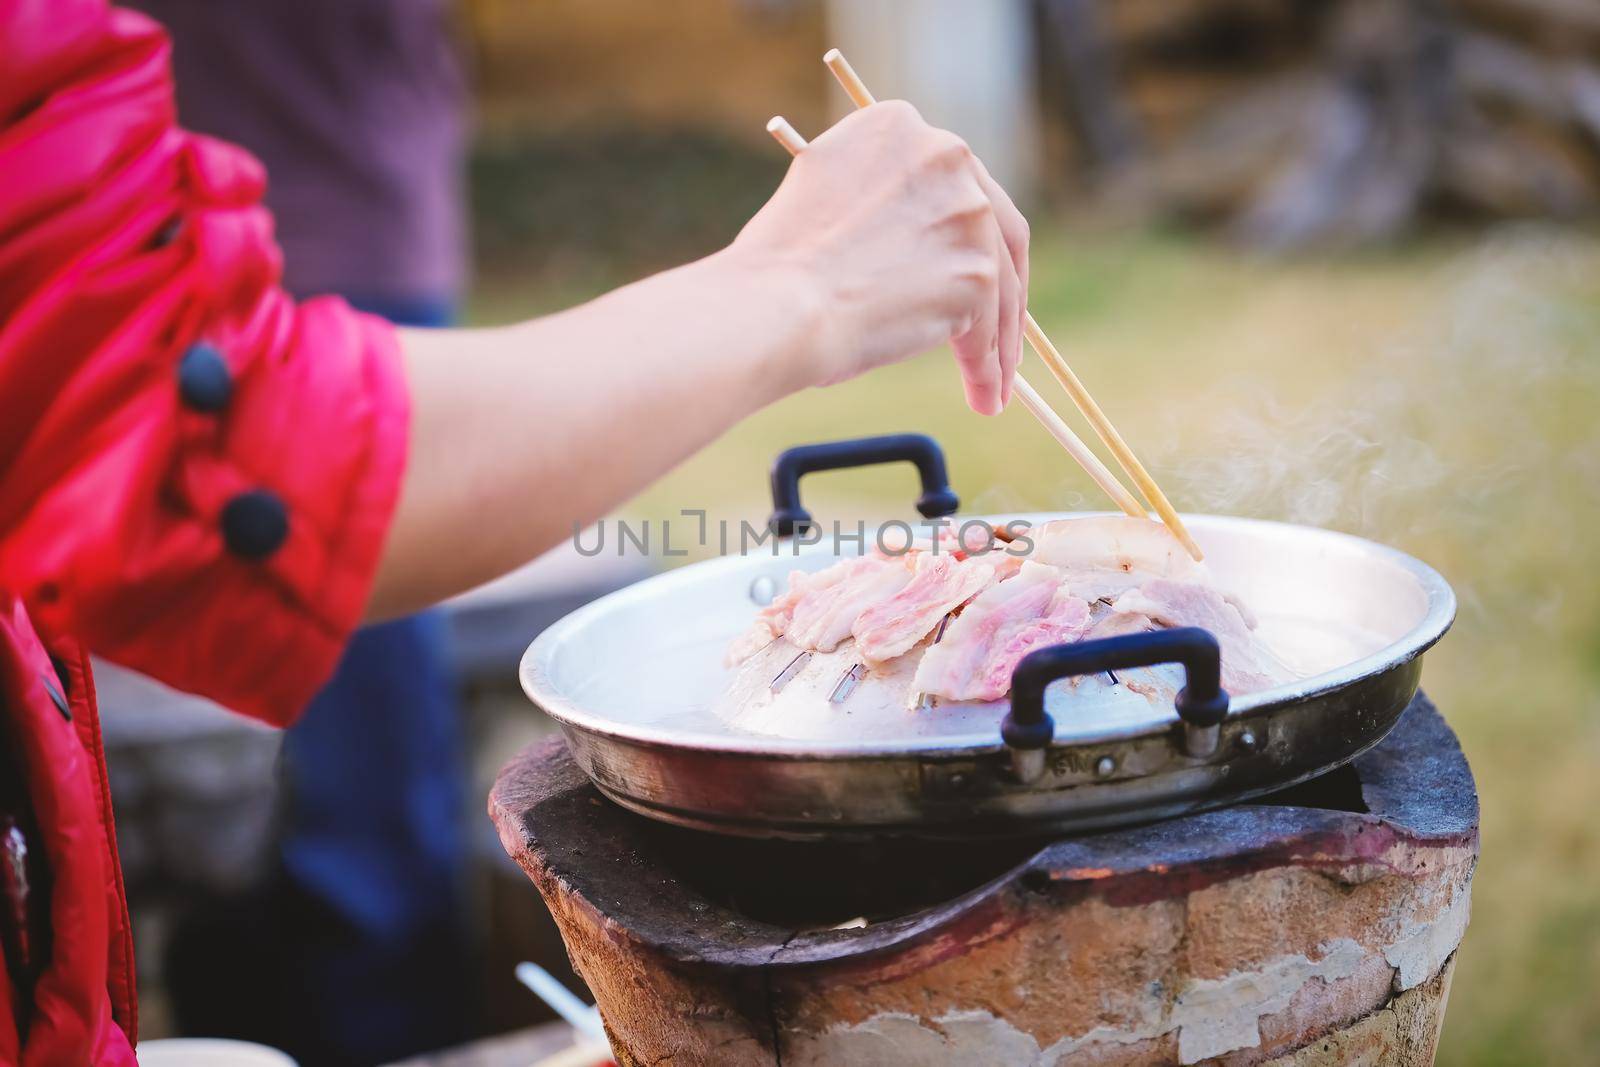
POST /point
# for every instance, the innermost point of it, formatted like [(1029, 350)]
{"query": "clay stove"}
[(1318, 925)]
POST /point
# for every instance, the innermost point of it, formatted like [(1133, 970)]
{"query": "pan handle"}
[(788, 516), (1202, 703)]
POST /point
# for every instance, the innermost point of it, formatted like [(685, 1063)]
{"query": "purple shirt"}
[(357, 108)]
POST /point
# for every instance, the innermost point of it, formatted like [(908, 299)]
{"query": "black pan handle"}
[(1202, 703), (788, 516)]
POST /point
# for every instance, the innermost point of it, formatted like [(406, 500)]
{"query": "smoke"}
[(1006, 499), (1473, 439)]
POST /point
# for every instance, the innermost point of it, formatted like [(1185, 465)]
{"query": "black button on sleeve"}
[(168, 233), (255, 524), (204, 381)]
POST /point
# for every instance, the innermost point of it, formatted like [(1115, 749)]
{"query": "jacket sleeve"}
[(196, 472)]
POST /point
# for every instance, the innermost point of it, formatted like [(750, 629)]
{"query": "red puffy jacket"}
[(196, 473)]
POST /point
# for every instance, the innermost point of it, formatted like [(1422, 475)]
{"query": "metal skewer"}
[(862, 97), (786, 675), (918, 701), (847, 683)]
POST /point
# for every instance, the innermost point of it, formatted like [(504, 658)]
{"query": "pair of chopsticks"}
[(787, 136)]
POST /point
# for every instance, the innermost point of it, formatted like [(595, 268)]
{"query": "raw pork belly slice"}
[(975, 658), (1106, 556), (1109, 623), (1246, 664), (1083, 578), (818, 608), (1114, 543), (814, 589), (939, 584), (821, 622)]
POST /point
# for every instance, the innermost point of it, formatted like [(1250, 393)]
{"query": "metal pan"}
[(637, 682)]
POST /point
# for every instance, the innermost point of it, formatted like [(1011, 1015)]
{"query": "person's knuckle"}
[(950, 150), (981, 272), (896, 113), (937, 150), (967, 220), (969, 205)]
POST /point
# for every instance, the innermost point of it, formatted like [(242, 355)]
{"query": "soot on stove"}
[(812, 884)]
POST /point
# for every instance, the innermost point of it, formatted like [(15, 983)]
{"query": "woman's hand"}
[(886, 239), (909, 242)]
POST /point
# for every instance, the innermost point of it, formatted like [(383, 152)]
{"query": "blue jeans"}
[(376, 783), (374, 849)]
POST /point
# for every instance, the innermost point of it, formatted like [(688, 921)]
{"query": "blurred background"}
[(1326, 261)]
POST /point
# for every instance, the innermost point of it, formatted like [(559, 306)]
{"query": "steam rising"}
[(1478, 431)]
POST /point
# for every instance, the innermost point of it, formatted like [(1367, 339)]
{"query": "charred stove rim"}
[(1420, 791)]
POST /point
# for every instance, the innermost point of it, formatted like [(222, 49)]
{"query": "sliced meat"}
[(1005, 564), (1117, 623), (1113, 542), (975, 658), (1247, 665), (964, 539), (1107, 555), (1105, 585), (808, 593), (821, 621), (939, 583)]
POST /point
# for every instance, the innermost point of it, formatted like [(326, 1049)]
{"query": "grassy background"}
[(1442, 397)]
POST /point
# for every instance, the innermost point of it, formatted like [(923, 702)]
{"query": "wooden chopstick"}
[(1075, 447), (786, 135), (1108, 433), (790, 138), (861, 96)]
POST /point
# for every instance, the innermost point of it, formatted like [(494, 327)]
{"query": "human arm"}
[(201, 475), (885, 240)]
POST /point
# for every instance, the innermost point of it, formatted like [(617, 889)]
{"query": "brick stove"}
[(1318, 925)]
